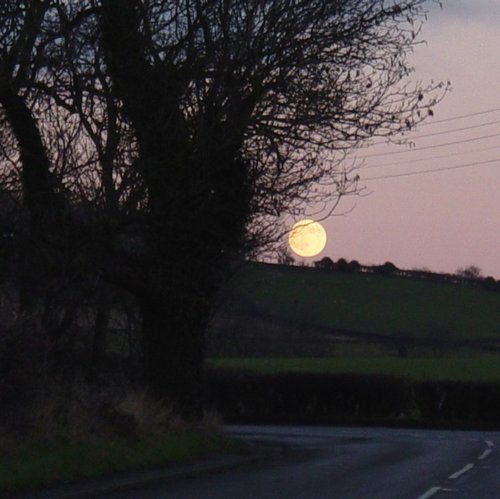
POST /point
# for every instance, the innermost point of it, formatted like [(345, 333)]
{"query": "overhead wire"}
[(453, 130), (459, 117), (433, 170), (441, 145), (440, 156), (436, 146)]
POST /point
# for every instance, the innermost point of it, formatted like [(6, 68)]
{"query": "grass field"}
[(486, 369), (371, 302), (35, 466)]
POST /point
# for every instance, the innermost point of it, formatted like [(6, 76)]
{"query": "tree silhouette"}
[(165, 138), (326, 263), (470, 272)]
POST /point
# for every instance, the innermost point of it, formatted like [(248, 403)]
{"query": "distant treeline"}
[(470, 276)]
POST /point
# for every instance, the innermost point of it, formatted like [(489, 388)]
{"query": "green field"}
[(486, 369), (371, 303)]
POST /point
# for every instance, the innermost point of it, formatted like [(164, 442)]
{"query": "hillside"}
[(271, 302)]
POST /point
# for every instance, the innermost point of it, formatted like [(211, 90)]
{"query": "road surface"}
[(349, 463)]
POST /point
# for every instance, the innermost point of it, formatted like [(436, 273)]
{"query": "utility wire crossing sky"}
[(435, 202)]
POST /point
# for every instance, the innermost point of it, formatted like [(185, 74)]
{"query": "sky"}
[(444, 220)]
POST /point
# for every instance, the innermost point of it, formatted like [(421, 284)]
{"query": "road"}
[(350, 463)]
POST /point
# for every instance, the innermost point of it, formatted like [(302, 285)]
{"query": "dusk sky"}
[(448, 219)]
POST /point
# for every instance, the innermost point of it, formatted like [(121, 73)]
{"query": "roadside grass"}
[(36, 465), (73, 422), (480, 369), (91, 433)]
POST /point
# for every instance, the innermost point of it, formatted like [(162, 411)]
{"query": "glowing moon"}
[(307, 238)]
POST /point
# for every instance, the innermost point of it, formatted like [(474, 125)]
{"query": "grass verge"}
[(36, 466), (481, 369)]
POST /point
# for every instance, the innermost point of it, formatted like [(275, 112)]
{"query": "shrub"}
[(61, 401), (22, 373), (354, 266), (326, 263), (342, 265), (387, 268)]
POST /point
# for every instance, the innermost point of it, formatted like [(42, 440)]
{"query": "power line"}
[(440, 156), (453, 130), (415, 149), (452, 118), (422, 172)]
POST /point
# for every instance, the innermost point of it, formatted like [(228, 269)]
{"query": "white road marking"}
[(430, 493), (485, 454), (465, 469), (459, 473)]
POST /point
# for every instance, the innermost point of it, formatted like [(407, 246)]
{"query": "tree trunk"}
[(198, 204), (44, 205), (99, 339), (174, 343)]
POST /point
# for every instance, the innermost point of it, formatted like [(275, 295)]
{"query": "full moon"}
[(307, 238)]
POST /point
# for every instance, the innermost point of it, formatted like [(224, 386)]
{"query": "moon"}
[(307, 238)]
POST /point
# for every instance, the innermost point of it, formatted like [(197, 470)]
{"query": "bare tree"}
[(205, 121), (470, 272)]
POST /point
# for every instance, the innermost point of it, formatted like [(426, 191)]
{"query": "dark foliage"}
[(387, 268), (326, 263), (322, 398), (149, 144), (22, 355)]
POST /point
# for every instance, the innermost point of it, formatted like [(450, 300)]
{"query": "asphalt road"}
[(349, 463)]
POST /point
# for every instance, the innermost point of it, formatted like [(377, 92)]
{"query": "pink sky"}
[(443, 220)]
